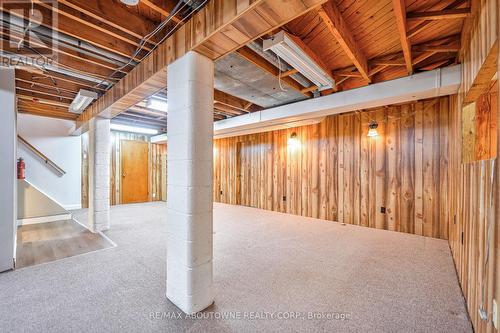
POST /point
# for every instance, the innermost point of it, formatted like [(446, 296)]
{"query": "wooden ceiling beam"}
[(49, 81), (346, 73), (51, 91), (210, 37), (441, 5), (67, 26), (453, 47), (145, 110), (446, 14), (72, 60), (113, 15), (134, 122), (37, 94), (61, 50), (335, 23), (400, 13), (91, 22), (289, 72), (47, 113), (42, 100), (157, 8), (65, 81), (251, 56), (397, 62), (235, 102), (229, 110), (145, 119), (39, 109)]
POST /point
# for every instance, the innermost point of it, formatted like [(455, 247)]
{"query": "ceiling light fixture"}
[(82, 100), (157, 104), (291, 49), (133, 129), (372, 129), (130, 2)]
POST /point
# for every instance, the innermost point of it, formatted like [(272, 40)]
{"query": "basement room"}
[(249, 166)]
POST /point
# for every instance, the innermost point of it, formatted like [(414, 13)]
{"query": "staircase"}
[(33, 205)]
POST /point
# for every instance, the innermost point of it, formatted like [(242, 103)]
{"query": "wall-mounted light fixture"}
[(293, 141), (372, 129)]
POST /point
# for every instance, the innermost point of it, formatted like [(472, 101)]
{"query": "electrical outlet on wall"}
[(495, 314)]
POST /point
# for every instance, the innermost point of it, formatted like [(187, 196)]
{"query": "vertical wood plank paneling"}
[(407, 168), (341, 168), (364, 171), (340, 174), (380, 170), (419, 181)]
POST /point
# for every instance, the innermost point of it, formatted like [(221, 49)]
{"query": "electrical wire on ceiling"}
[(177, 9), (279, 74), (180, 6)]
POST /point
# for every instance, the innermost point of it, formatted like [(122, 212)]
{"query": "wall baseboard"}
[(72, 207), (44, 219)]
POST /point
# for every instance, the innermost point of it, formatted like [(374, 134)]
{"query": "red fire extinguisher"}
[(20, 168)]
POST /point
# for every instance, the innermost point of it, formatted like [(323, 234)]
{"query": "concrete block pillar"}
[(8, 183), (189, 182), (99, 173)]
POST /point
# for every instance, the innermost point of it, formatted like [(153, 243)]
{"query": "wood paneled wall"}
[(338, 173), (157, 167), (475, 233), (479, 54), (475, 229), (479, 127)]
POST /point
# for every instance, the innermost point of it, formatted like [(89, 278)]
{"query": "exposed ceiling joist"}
[(164, 12), (440, 15), (250, 55), (452, 47), (441, 5), (67, 26), (54, 111), (289, 72), (115, 16), (92, 22), (55, 79), (212, 38), (235, 102), (333, 19), (400, 13)]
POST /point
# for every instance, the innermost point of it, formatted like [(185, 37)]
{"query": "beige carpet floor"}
[(272, 273)]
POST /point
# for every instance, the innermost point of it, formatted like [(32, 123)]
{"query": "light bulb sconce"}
[(293, 141), (372, 129)]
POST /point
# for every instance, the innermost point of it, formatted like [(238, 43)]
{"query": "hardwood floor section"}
[(45, 242)]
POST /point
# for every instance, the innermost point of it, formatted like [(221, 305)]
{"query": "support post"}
[(189, 179), (99, 173)]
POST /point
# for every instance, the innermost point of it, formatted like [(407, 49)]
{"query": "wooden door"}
[(134, 171)]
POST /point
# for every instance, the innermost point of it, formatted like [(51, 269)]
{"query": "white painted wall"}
[(51, 137), (8, 210)]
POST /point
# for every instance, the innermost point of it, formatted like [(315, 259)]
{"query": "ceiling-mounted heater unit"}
[(292, 50)]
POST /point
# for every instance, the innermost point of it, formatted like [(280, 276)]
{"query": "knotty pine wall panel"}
[(338, 173)]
